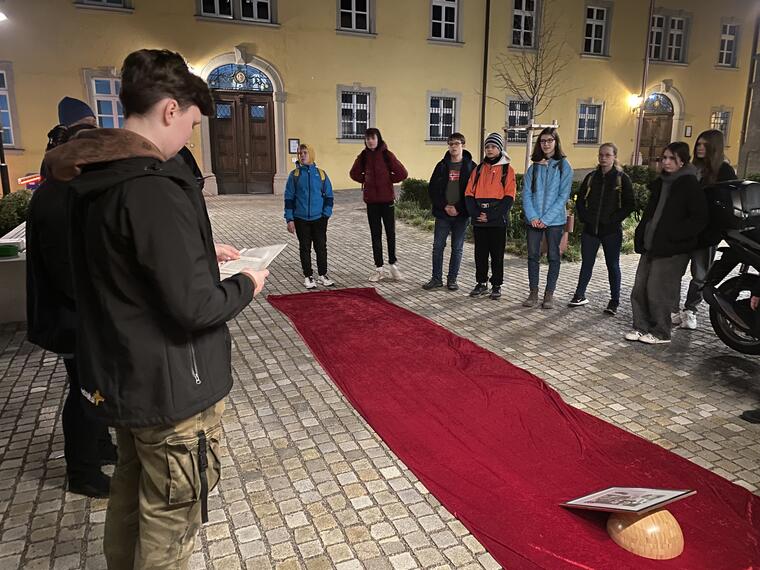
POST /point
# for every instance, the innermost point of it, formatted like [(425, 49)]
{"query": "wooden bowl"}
[(656, 535)]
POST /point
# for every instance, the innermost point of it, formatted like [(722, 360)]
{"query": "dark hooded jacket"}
[(439, 181), (153, 346), (378, 170)]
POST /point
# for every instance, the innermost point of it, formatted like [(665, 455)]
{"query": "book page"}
[(257, 258)]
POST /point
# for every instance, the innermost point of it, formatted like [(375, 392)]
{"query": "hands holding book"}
[(226, 252)]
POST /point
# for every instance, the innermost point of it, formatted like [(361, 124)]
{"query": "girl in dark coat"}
[(712, 167), (378, 170)]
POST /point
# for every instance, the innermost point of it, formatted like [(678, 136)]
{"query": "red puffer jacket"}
[(378, 170)]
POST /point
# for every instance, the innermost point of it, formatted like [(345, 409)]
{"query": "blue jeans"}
[(611, 244), (553, 237), (457, 227)]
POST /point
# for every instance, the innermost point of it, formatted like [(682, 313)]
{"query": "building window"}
[(444, 20), (354, 114), (596, 28), (720, 120), (588, 123), (262, 11), (518, 115), (105, 3), (6, 119), (354, 15), (727, 52), (442, 118), (107, 105), (524, 23), (656, 37), (676, 37)]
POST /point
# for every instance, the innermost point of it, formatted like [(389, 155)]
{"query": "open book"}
[(256, 258), (628, 499)]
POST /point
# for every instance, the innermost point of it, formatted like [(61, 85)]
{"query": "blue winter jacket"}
[(307, 197), (548, 200)]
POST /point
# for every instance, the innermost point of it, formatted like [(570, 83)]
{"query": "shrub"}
[(754, 176), (13, 209), (639, 174), (415, 190)]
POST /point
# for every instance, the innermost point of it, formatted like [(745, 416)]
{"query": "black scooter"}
[(735, 216)]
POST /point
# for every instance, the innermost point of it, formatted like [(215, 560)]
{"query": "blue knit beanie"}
[(495, 139), (71, 110)]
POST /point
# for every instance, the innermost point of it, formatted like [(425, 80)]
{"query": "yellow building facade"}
[(320, 71)]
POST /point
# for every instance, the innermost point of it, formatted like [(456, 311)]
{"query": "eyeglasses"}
[(547, 141)]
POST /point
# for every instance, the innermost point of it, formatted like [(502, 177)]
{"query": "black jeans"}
[(490, 242), (82, 436), (380, 215), (611, 244), (314, 232)]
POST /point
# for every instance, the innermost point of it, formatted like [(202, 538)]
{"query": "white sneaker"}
[(325, 281), (395, 273), (649, 338), (633, 335), (378, 275), (309, 283), (689, 320), (676, 318)]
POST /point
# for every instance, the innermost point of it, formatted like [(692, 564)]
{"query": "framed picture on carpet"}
[(628, 499)]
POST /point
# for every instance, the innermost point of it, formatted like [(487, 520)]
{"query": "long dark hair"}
[(61, 134), (714, 155), (680, 149), (538, 154), (373, 132)]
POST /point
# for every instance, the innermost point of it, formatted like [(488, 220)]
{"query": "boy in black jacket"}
[(446, 189), (153, 346)]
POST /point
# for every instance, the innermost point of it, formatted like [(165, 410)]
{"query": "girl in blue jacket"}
[(308, 205), (546, 190)]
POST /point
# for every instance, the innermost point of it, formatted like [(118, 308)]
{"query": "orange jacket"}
[(490, 191)]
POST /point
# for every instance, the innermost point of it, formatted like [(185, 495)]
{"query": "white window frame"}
[(255, 10), (518, 136), (444, 5), (369, 13), (121, 6), (456, 99), (6, 94), (6, 69), (216, 13), (676, 53), (236, 12), (721, 113), (523, 13), (596, 24), (657, 36), (91, 77), (729, 36), (585, 140), (355, 89)]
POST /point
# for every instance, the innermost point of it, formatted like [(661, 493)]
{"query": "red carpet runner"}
[(500, 449)]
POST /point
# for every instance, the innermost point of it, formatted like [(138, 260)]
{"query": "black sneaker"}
[(479, 290), (495, 292), (432, 284), (751, 416), (612, 308), (452, 285), (577, 301), (96, 485)]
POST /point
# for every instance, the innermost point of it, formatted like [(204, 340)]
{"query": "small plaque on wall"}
[(293, 145), (687, 131)]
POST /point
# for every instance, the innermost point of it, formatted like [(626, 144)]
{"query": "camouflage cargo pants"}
[(154, 511)]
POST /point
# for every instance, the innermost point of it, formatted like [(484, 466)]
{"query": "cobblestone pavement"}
[(306, 483)]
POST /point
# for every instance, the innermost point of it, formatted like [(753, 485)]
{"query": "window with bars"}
[(594, 41), (720, 120), (656, 37), (589, 117), (107, 105), (6, 120), (354, 15), (676, 40), (444, 20), (727, 52), (518, 115), (524, 23), (354, 114), (442, 118)]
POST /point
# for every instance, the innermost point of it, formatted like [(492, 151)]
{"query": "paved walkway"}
[(306, 483)]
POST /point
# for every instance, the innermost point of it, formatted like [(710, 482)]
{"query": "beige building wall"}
[(48, 45)]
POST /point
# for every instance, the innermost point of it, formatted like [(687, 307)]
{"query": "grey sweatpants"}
[(656, 291)]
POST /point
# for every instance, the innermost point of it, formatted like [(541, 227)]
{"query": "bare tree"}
[(536, 75)]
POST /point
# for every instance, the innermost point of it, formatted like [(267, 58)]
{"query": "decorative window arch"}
[(658, 103), (238, 77)]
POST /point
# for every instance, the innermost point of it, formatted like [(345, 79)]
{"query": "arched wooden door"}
[(656, 128), (242, 130)]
